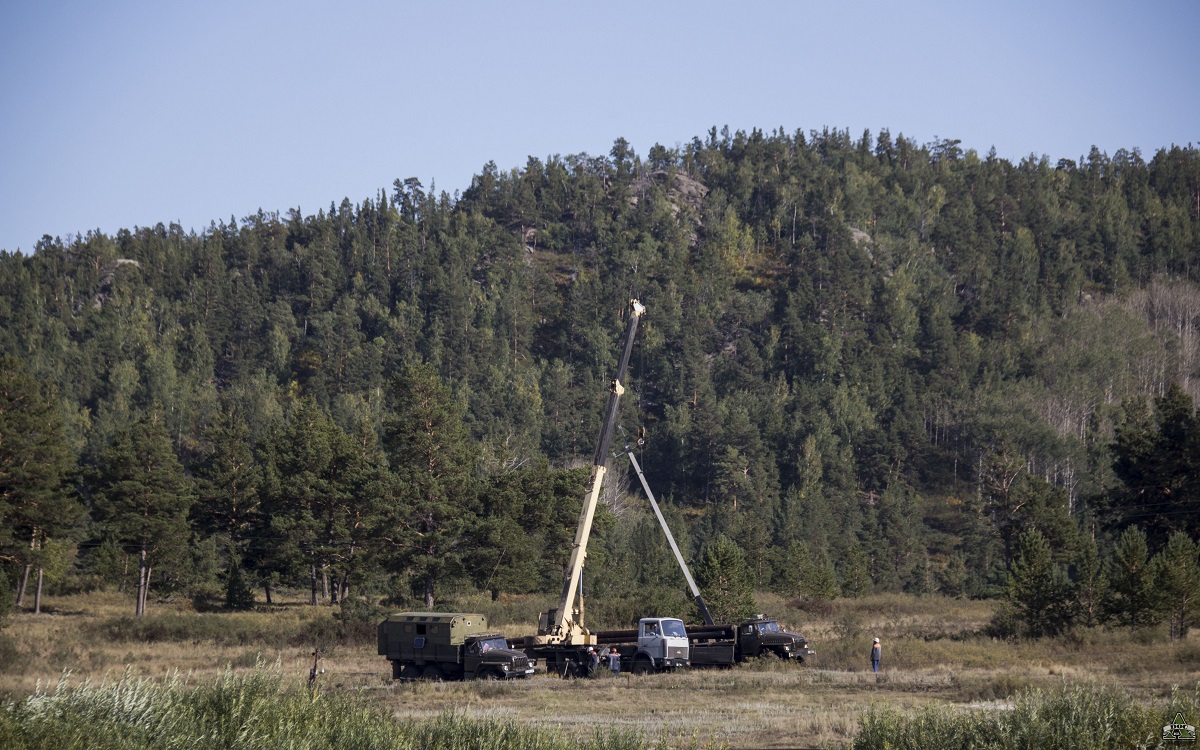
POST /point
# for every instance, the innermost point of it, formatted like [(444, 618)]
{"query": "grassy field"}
[(934, 660)]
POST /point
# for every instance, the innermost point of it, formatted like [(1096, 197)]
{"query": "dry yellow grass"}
[(69, 640), (933, 655)]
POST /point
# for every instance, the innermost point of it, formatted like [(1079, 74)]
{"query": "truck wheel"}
[(433, 673), (642, 665), (410, 672), (397, 668)]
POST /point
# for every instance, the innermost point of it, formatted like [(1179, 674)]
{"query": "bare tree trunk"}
[(325, 580), (37, 597), (28, 566), (140, 607), (21, 586), (312, 574), (146, 590), (345, 584), (429, 592), (267, 590), (141, 581)]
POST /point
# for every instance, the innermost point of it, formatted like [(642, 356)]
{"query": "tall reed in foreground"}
[(1079, 718), (252, 711)]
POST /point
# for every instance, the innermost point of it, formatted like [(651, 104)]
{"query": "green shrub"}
[(1001, 687), (336, 630), (516, 610), (815, 607), (320, 628), (848, 626), (247, 659), (221, 629), (1005, 624), (239, 595), (10, 657), (359, 610), (1189, 654)]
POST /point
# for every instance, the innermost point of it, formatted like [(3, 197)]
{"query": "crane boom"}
[(565, 625), (687, 574)]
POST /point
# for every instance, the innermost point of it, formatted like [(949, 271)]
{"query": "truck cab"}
[(761, 635), (662, 644)]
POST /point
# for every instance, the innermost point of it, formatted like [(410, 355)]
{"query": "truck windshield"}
[(674, 628), (768, 627), (489, 644)]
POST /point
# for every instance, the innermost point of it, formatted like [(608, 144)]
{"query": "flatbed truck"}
[(718, 645)]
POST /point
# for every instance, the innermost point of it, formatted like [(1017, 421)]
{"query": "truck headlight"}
[(504, 667)]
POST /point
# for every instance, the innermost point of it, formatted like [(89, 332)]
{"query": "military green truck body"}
[(448, 646)]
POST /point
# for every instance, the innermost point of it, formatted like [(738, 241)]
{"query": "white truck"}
[(659, 644)]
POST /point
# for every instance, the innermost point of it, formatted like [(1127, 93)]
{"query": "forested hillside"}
[(869, 364)]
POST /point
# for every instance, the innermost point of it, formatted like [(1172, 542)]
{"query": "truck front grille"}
[(677, 652)]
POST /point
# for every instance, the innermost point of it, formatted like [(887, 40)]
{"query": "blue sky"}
[(127, 113)]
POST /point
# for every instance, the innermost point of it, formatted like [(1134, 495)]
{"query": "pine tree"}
[(142, 498), (822, 582), (1038, 589), (228, 481), (432, 462), (953, 578), (1133, 599), (36, 504), (856, 575), (725, 581), (519, 539), (1177, 582), (1091, 583), (238, 593), (323, 499), (1157, 461)]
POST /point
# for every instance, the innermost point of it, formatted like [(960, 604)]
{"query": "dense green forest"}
[(867, 364)]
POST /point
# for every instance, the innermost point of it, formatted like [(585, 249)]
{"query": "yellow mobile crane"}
[(562, 639), (419, 645), (564, 626)]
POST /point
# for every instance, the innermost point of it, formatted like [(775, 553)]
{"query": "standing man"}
[(593, 667), (876, 651), (614, 661)]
